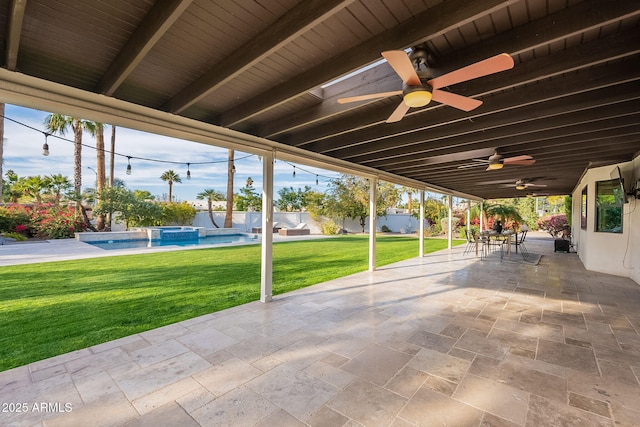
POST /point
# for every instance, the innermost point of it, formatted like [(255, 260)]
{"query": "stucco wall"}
[(612, 253)]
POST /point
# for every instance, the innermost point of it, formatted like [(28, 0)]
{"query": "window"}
[(608, 207), (583, 209)]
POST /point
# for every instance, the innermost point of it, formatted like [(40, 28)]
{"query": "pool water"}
[(210, 240)]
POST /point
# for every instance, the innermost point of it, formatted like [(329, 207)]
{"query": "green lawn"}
[(53, 308)]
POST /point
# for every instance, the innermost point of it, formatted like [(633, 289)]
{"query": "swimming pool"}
[(210, 240)]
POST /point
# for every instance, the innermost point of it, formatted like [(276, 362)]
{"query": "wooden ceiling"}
[(264, 67)]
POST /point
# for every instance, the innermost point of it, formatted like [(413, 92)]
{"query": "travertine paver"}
[(442, 340)]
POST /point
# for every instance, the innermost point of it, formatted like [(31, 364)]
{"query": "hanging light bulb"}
[(294, 171), (128, 165), (45, 146), (316, 179), (188, 172), (233, 167)]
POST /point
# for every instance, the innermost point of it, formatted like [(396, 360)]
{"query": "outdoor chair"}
[(471, 241), (519, 243)]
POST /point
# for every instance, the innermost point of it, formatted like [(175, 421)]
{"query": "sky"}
[(24, 137)]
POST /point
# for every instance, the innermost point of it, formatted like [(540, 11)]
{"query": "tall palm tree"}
[(59, 123), (1, 144), (228, 217), (100, 173), (15, 186), (170, 177), (210, 195)]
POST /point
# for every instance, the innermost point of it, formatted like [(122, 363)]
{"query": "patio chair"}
[(519, 243), (471, 241)]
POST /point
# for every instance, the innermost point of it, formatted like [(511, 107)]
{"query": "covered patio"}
[(441, 339)]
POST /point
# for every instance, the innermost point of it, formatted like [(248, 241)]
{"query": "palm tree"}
[(59, 184), (35, 186), (100, 173), (1, 144), (170, 177), (228, 217), (15, 186), (505, 212), (59, 123), (210, 195)]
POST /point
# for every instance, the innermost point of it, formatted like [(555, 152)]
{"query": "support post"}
[(481, 215), (468, 217), (450, 226), (373, 197), (266, 275), (421, 228)]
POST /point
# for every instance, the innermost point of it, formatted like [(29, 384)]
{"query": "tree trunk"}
[(363, 222), (1, 144), (77, 161), (112, 162), (100, 163), (87, 222), (228, 218), (410, 201), (170, 191), (210, 207)]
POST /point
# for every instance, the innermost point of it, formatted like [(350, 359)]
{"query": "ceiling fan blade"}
[(517, 158), (398, 113), (520, 162), (402, 65), (483, 68), (535, 185), (470, 165), (369, 96), (456, 101)]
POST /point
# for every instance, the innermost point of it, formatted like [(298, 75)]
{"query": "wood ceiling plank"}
[(297, 21), (14, 31), (159, 19), (439, 20)]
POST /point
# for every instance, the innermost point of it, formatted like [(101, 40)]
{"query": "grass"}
[(53, 308)]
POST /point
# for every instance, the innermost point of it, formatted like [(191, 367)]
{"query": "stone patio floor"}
[(442, 340)]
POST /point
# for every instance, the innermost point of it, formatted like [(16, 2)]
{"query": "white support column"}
[(421, 228), (481, 215), (450, 227), (373, 197), (266, 277), (468, 217)]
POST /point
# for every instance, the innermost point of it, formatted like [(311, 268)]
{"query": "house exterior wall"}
[(612, 253)]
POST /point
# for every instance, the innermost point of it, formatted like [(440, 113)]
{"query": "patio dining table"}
[(502, 237)]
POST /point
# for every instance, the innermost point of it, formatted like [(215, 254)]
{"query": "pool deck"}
[(446, 339), (67, 249)]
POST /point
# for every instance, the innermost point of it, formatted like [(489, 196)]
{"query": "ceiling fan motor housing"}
[(417, 95)]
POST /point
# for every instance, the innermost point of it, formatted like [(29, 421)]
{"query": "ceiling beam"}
[(156, 23), (14, 30), (364, 128), (435, 21), (523, 105), (297, 21)]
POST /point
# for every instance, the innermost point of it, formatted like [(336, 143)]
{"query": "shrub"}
[(16, 236), (15, 216), (385, 229), (56, 222), (329, 227), (553, 224), (178, 213)]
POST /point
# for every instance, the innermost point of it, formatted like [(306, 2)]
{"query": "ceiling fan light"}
[(416, 99), (520, 187), (495, 166)]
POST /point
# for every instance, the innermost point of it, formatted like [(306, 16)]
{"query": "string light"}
[(188, 171), (45, 146), (294, 171), (316, 179), (233, 166), (128, 165)]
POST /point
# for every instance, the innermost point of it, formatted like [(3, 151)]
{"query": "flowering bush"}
[(56, 222), (15, 216), (553, 224)]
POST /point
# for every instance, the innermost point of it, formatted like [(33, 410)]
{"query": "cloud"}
[(151, 155)]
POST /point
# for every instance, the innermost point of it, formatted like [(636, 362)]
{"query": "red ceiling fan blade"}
[(519, 160), (398, 113), (402, 65), (369, 96), (483, 68), (456, 101)]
